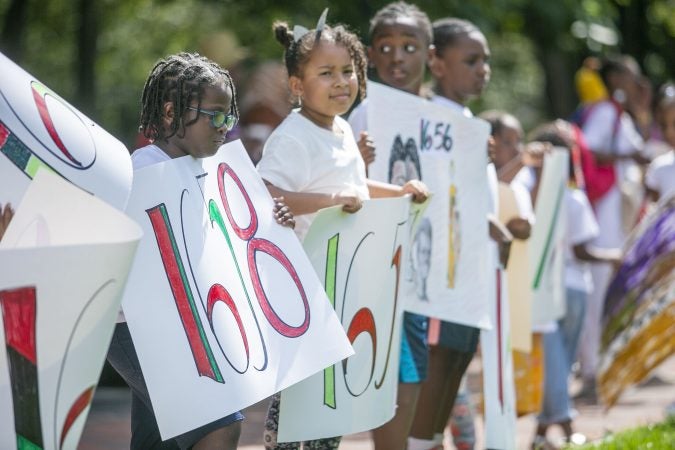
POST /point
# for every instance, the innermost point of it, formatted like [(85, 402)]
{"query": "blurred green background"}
[(97, 53)]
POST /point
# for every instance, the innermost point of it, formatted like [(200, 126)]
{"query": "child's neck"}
[(320, 120), (167, 147), (451, 96)]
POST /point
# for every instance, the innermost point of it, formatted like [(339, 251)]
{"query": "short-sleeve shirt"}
[(581, 227), (300, 156), (660, 174), (601, 137), (148, 155)]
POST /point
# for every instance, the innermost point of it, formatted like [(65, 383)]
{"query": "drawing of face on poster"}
[(404, 165), (421, 258), (404, 162)]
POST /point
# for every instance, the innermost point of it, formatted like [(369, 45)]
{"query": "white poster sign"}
[(222, 303), (517, 274), (498, 384), (419, 139), (39, 129), (65, 258), (360, 256), (546, 244)]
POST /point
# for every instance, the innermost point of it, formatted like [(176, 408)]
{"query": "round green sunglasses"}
[(218, 118)]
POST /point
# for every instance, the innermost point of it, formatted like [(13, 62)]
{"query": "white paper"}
[(263, 336), (447, 279), (39, 129), (68, 265)]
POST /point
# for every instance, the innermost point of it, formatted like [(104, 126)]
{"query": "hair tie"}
[(299, 31)]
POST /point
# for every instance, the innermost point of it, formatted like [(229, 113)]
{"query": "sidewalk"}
[(107, 426)]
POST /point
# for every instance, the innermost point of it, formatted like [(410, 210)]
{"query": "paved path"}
[(107, 426)]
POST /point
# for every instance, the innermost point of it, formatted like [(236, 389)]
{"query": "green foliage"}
[(134, 34), (653, 437)]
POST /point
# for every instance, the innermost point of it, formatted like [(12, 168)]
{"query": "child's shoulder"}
[(667, 159), (292, 127), (145, 156)]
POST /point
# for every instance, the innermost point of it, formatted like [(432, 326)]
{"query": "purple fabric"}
[(643, 261)]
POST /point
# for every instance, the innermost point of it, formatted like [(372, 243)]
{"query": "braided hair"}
[(447, 31), (298, 53), (179, 79)]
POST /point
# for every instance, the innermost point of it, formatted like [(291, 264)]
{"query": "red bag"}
[(598, 178)]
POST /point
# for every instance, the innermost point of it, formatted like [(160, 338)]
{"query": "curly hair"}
[(298, 53), (179, 79), (396, 10)]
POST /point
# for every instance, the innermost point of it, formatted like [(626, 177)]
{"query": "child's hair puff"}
[(180, 79), (298, 52)]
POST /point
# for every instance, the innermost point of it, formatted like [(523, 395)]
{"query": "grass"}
[(652, 437)]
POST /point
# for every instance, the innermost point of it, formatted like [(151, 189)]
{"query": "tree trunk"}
[(559, 82), (12, 37), (85, 63)]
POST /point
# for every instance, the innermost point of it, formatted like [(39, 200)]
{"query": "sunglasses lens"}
[(230, 121), (219, 119)]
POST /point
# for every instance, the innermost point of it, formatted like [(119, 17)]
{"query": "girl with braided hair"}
[(188, 107)]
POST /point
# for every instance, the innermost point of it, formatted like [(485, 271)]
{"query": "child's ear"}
[(431, 51), (168, 113), (295, 85), (436, 66)]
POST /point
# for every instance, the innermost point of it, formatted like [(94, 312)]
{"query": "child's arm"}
[(584, 252), (378, 189), (6, 215), (310, 202)]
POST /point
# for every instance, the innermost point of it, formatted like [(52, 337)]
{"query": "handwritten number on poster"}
[(435, 136), (361, 322), (185, 301)]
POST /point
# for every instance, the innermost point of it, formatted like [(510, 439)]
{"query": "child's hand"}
[(419, 190), (367, 148), (520, 228), (282, 213), (350, 202), (533, 155), (6, 215), (502, 236)]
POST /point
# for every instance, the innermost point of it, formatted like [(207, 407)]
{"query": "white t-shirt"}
[(141, 157), (523, 201), (148, 155), (660, 175), (601, 138), (526, 177), (443, 101), (599, 131), (300, 156), (581, 228)]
